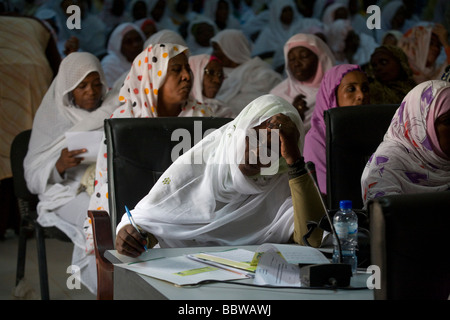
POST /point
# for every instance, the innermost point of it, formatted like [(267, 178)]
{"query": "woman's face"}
[(88, 93), (385, 66), (212, 78), (442, 127), (302, 63), (353, 90), (287, 15), (132, 45), (203, 33), (178, 83)]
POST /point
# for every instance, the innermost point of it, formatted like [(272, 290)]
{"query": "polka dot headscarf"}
[(139, 93)]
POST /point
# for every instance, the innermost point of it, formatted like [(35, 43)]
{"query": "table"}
[(130, 285)]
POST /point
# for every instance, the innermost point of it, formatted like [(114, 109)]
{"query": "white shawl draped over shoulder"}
[(55, 116), (210, 202)]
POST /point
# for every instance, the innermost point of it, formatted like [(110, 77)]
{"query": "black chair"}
[(27, 203), (352, 135), (410, 245), (139, 151)]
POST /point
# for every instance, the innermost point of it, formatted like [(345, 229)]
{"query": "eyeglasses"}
[(213, 73)]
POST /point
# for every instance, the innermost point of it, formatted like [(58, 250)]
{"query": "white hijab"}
[(212, 202), (275, 34), (56, 115), (198, 64), (115, 63), (251, 79)]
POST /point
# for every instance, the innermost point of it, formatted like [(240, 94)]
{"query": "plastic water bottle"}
[(345, 222)]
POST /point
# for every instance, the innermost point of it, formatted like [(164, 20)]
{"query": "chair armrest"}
[(103, 240)]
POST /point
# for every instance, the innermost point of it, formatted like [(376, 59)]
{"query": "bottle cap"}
[(345, 204)]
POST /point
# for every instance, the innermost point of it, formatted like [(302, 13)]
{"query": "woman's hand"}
[(71, 45), (300, 104), (68, 159), (289, 136), (130, 242)]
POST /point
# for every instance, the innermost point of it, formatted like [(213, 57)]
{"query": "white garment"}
[(194, 47), (198, 64), (273, 37), (115, 63), (55, 116), (251, 79), (213, 203)]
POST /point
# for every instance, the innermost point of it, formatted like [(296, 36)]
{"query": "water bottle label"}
[(343, 229)]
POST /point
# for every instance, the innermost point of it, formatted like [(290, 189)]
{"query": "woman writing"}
[(232, 198)]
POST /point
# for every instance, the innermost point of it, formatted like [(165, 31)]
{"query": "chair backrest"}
[(19, 149), (140, 150), (410, 245), (352, 135)]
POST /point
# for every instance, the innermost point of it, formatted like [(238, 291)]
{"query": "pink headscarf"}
[(291, 87), (410, 160), (315, 139)]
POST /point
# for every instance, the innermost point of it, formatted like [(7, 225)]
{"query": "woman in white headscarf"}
[(227, 200), (283, 15), (160, 68), (125, 43), (200, 30), (221, 12), (307, 59), (208, 78), (72, 103), (246, 78)]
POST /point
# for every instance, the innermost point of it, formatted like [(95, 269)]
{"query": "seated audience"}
[(221, 12), (229, 199), (208, 77), (91, 37), (347, 46), (414, 156), (72, 103), (423, 45), (283, 15), (160, 14), (246, 78), (125, 43), (390, 74), (307, 59), (113, 13), (199, 33), (342, 85), (147, 26), (158, 85)]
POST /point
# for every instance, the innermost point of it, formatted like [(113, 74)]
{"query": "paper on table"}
[(180, 270), (89, 140), (291, 253), (236, 257), (274, 270)]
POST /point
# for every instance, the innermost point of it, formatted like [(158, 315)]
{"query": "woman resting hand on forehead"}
[(232, 198)]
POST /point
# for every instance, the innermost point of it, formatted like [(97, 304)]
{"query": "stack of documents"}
[(270, 264)]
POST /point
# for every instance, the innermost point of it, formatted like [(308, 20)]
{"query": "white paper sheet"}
[(89, 140), (180, 270), (274, 270)]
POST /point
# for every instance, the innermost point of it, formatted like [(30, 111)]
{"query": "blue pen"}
[(130, 217)]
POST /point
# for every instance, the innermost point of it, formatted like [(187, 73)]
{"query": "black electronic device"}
[(326, 275)]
